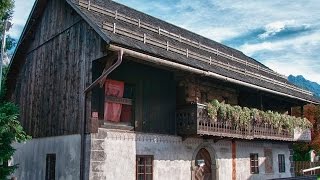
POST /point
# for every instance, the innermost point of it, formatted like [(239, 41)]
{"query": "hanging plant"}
[(286, 122), (230, 114), (236, 114), (256, 116), (269, 117), (222, 113), (244, 117), (277, 123), (213, 109)]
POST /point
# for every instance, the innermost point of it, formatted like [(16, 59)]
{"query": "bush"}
[(10, 131)]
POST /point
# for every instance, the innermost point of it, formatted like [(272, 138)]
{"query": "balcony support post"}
[(260, 101), (234, 159), (301, 111), (290, 111)]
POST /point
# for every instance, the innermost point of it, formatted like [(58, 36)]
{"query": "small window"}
[(144, 167), (51, 167), (282, 163), (254, 163)]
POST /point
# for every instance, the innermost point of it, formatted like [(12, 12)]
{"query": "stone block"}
[(98, 156), (97, 166), (98, 176), (102, 134), (97, 144)]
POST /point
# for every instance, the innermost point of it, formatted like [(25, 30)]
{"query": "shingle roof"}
[(126, 27), (135, 30)]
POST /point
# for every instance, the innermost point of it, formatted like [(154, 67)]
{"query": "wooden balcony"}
[(194, 120)]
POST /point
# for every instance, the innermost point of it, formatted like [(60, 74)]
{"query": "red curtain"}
[(112, 111)]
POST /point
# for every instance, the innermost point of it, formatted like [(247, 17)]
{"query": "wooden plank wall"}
[(57, 68), (301, 165), (155, 96)]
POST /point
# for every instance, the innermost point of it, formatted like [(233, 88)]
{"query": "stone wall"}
[(31, 157), (113, 156), (265, 171), (199, 91)]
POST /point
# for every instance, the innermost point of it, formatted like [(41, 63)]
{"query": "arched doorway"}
[(204, 163)]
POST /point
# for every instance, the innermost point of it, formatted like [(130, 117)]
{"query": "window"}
[(281, 163), (254, 164), (144, 167), (51, 167)]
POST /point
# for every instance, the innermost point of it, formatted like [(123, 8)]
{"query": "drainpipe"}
[(84, 112), (171, 64)]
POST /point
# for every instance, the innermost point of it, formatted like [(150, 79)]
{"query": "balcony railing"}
[(194, 120)]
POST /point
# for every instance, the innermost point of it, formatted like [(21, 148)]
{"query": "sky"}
[(283, 35)]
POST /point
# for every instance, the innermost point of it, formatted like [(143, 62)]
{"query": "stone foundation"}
[(113, 156)]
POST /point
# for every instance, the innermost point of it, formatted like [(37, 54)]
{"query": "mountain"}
[(300, 81)]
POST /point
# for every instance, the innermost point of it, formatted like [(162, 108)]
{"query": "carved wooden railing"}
[(194, 120), (266, 131)]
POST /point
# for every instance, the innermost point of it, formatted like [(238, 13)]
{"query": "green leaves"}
[(10, 131), (213, 109), (6, 7), (244, 117)]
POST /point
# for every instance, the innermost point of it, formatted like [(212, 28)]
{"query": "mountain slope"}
[(305, 84)]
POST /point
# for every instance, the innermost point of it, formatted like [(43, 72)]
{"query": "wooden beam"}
[(260, 102), (301, 111), (109, 62), (290, 111), (113, 99), (234, 160), (106, 73)]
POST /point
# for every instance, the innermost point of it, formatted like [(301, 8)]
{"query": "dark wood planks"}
[(57, 68)]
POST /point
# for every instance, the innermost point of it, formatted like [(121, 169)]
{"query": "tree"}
[(312, 113), (10, 129), (6, 9)]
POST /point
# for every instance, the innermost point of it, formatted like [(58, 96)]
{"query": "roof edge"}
[(166, 62), (23, 32), (92, 24)]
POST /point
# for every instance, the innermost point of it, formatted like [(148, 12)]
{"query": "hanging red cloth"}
[(112, 111), (126, 113)]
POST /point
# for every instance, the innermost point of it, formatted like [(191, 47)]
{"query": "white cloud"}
[(21, 13), (297, 56), (295, 67), (300, 43), (218, 34), (228, 19), (275, 27)]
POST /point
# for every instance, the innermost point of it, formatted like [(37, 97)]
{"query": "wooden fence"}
[(193, 119), (300, 165)]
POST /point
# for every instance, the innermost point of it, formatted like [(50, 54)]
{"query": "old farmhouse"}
[(108, 92)]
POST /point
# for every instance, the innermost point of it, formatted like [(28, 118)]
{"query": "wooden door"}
[(203, 162)]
